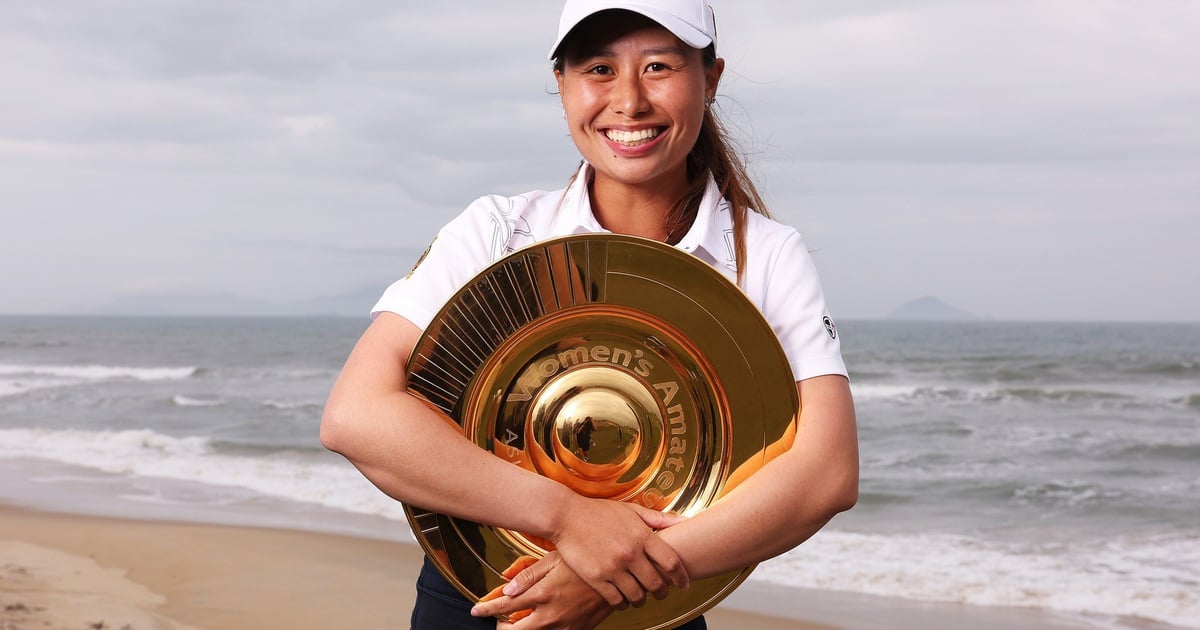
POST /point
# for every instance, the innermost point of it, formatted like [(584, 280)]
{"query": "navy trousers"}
[(441, 607)]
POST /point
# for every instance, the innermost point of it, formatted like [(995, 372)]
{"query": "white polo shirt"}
[(780, 278)]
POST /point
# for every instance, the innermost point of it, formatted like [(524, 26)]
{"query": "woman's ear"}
[(712, 75)]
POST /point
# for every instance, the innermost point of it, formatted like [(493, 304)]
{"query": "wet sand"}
[(69, 571)]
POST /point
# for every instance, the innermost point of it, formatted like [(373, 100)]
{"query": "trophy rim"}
[(585, 283)]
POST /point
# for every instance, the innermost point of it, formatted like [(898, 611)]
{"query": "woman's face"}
[(634, 100)]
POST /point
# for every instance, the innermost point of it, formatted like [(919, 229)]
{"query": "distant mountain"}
[(353, 304), (929, 308), (187, 303)]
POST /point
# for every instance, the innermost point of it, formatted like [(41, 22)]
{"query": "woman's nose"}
[(629, 96)]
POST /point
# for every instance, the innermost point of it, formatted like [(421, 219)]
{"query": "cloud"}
[(253, 147), (969, 81)]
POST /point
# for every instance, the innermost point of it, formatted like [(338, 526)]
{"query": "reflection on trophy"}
[(620, 367)]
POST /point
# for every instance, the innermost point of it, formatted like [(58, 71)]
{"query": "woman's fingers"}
[(655, 519), (632, 591), (529, 571), (559, 600), (649, 579), (519, 565), (668, 563), (665, 561), (522, 574), (500, 606)]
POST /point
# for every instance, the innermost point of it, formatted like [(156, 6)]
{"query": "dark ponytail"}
[(714, 154)]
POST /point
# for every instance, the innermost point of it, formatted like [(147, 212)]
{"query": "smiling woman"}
[(635, 99), (637, 82)]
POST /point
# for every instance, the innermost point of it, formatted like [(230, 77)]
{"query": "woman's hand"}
[(786, 501), (611, 546), (555, 597)]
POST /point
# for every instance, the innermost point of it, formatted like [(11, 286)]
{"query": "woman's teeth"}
[(630, 138)]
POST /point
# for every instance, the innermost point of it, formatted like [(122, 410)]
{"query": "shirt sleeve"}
[(794, 305), (460, 250)]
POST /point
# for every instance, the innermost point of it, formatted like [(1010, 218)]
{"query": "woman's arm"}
[(790, 498), (774, 510), (413, 454)]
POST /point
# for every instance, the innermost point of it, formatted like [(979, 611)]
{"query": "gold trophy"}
[(618, 366)]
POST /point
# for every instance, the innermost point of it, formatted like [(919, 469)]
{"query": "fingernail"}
[(509, 589), (474, 611)]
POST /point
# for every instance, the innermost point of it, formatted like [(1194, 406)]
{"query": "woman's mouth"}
[(632, 138)]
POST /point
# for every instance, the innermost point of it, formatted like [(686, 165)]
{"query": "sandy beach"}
[(67, 571), (146, 424)]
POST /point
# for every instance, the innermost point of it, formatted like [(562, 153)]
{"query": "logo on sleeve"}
[(830, 327), (421, 259)]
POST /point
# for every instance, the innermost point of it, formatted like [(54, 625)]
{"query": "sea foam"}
[(1124, 577), (188, 401), (1093, 394), (98, 372), (1121, 577), (17, 386), (313, 477)]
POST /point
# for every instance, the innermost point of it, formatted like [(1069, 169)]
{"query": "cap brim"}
[(686, 33)]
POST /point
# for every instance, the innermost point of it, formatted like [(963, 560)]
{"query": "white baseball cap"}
[(692, 21)]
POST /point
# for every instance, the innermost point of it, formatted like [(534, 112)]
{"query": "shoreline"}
[(219, 553), (60, 569), (67, 570)]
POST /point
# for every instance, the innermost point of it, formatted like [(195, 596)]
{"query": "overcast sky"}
[(1020, 159)]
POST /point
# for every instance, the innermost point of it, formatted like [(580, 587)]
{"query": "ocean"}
[(1050, 466)]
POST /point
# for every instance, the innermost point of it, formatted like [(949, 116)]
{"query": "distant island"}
[(929, 308)]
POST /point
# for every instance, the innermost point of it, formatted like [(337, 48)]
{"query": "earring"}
[(709, 100)]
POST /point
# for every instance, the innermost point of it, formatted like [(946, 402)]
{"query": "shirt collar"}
[(575, 212), (710, 237)]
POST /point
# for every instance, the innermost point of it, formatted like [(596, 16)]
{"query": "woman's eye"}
[(600, 70), (656, 67)]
